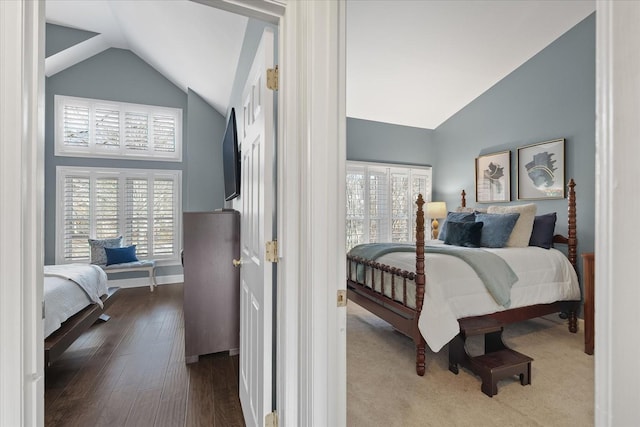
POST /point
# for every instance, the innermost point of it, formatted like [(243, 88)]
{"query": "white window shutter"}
[(75, 124), (137, 230), (107, 128), (136, 131), (378, 202), (400, 213), (76, 206), (164, 133), (106, 204), (163, 216), (356, 205)]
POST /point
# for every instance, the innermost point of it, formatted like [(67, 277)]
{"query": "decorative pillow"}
[(476, 210), (455, 216), (121, 255), (544, 227), (464, 234), (522, 230), (497, 228), (98, 256)]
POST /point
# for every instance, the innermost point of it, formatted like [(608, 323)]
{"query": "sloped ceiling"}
[(193, 45), (413, 63)]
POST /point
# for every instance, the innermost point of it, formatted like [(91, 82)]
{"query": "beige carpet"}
[(384, 390)]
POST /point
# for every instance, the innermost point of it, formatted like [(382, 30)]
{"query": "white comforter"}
[(64, 297), (453, 290)]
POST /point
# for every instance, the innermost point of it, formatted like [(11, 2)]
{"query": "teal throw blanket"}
[(493, 271)]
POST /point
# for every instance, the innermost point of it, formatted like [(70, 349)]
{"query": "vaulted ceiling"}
[(413, 63)]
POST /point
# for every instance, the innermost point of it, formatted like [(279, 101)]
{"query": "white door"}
[(257, 201)]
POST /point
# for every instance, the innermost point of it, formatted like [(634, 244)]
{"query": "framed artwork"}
[(541, 171), (493, 177)]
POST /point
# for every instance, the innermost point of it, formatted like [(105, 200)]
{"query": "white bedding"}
[(453, 290), (64, 298)]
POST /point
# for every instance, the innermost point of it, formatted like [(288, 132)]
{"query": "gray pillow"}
[(464, 234), (457, 217), (497, 228), (98, 255)]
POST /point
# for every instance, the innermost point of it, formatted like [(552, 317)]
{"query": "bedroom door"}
[(257, 200)]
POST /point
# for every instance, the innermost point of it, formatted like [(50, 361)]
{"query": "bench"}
[(145, 265)]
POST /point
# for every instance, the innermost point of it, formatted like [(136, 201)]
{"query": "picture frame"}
[(493, 177), (541, 171)]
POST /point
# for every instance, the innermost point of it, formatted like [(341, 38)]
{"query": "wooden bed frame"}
[(56, 343), (405, 319)]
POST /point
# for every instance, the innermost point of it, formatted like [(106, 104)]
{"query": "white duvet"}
[(64, 297), (453, 290)]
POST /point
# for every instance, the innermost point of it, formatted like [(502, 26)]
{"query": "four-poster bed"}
[(398, 295)]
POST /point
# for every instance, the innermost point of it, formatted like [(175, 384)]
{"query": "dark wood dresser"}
[(211, 283)]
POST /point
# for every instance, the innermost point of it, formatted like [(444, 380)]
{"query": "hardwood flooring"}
[(130, 371)]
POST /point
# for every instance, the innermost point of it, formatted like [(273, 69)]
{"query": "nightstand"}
[(588, 281)]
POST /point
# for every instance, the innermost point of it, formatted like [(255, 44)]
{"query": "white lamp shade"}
[(436, 210)]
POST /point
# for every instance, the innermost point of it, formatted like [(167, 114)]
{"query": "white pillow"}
[(521, 233)]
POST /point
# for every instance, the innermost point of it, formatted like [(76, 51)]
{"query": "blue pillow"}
[(121, 255), (497, 228), (544, 227), (457, 217), (464, 234)]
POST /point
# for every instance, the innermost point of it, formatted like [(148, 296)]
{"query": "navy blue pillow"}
[(121, 255), (455, 216), (544, 227), (497, 228), (464, 234)]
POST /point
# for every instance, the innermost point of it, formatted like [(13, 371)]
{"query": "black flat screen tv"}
[(231, 159)]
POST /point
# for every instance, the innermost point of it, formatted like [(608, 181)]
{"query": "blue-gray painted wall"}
[(120, 75), (370, 141), (205, 177), (550, 96), (60, 38)]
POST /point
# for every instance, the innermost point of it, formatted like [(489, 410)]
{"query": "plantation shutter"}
[(137, 215), (378, 195), (76, 202), (355, 205), (420, 184), (163, 216), (107, 127), (106, 208), (164, 133), (136, 131), (75, 122)]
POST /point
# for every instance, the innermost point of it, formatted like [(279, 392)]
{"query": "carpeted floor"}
[(384, 390)]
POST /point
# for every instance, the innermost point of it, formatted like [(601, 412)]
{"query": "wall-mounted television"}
[(231, 159)]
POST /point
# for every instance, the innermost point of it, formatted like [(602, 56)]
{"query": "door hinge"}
[(271, 251), (271, 419), (342, 298), (272, 78)]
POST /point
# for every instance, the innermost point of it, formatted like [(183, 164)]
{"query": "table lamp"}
[(436, 210)]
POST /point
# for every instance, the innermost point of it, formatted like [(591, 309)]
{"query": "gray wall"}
[(203, 151), (120, 75), (370, 141), (60, 38), (550, 96)]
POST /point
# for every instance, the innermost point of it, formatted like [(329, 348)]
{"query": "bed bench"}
[(146, 265)]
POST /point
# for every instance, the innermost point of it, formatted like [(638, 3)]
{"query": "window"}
[(142, 205), (94, 128), (381, 201)]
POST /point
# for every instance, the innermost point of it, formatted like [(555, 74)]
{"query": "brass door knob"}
[(237, 262)]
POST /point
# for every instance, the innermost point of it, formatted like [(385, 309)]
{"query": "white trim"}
[(267, 10), (617, 349), (21, 212)]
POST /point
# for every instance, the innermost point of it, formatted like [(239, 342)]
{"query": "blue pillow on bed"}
[(544, 226), (121, 255), (457, 217), (497, 228), (464, 234)]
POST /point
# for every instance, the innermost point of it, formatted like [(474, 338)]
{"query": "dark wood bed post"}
[(573, 244), (420, 282), (463, 199)]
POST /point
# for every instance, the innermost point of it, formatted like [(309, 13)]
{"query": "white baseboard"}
[(138, 282)]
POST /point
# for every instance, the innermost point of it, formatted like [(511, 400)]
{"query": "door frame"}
[(311, 367)]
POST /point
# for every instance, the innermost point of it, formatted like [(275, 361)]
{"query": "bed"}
[(427, 306), (75, 296)]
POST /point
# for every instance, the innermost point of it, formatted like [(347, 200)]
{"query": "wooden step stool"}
[(498, 361)]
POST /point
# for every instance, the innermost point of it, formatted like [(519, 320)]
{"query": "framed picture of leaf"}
[(541, 171), (493, 177)]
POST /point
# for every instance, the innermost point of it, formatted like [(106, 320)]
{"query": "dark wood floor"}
[(130, 371)]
